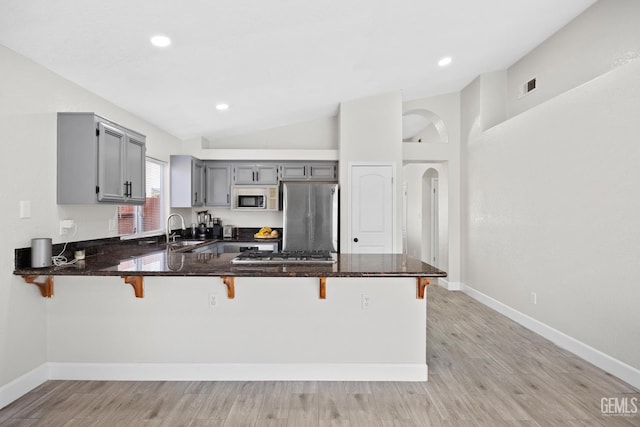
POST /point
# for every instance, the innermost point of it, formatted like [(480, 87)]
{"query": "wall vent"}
[(528, 87)]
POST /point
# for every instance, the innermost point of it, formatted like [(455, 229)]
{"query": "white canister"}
[(41, 252)]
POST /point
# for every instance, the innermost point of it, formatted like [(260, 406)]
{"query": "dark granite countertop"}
[(151, 257), (171, 263)]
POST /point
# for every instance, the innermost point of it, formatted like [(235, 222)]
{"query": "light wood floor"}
[(484, 370)]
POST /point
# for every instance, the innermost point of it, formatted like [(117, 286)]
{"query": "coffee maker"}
[(216, 228)]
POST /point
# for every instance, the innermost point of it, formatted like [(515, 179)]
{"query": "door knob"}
[(355, 239)]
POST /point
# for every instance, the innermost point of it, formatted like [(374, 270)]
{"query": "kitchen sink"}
[(184, 244), (187, 242)]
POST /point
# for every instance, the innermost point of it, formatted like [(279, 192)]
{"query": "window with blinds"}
[(146, 218)]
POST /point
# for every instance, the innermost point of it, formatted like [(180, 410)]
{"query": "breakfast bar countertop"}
[(175, 263)]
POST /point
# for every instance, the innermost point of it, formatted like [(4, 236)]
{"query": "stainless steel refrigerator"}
[(310, 216)]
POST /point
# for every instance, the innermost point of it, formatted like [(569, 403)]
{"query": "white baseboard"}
[(603, 361), (451, 286), (22, 385), (238, 372)]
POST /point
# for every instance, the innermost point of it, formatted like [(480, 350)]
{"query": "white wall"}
[(551, 203), (320, 134), (30, 98), (603, 37), (370, 131)]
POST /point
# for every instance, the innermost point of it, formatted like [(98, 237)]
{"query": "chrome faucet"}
[(169, 225)]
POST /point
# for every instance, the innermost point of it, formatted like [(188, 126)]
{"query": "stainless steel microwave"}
[(255, 198), (251, 201)]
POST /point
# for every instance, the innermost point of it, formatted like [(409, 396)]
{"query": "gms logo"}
[(620, 406)]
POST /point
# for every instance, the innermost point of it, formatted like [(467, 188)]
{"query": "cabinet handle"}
[(228, 198), (355, 239), (196, 197), (304, 171), (130, 189), (127, 189)]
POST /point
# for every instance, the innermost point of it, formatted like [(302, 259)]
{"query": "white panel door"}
[(371, 209)]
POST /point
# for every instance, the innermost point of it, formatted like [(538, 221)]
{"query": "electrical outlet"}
[(534, 298), (66, 225), (213, 300), (365, 301)]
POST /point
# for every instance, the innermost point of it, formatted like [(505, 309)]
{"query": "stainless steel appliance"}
[(255, 198), (216, 228), (228, 231), (310, 216), (243, 247), (41, 252), (284, 257)]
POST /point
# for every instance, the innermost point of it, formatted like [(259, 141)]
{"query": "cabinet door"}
[(266, 174), (136, 169), (322, 171), (244, 174), (293, 171), (197, 183), (111, 146), (217, 185)]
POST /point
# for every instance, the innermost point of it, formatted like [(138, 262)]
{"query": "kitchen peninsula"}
[(198, 316)]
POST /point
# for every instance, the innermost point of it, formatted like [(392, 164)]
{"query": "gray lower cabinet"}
[(255, 174), (217, 184), (187, 181), (319, 171), (99, 161)]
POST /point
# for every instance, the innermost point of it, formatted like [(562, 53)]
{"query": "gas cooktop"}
[(284, 257)]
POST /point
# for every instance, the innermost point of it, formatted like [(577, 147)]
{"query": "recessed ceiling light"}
[(160, 41), (444, 61), (222, 107)]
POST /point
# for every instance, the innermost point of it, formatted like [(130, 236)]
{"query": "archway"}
[(423, 126), (430, 242), (425, 222)]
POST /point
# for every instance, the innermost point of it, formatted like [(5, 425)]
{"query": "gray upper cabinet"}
[(255, 174), (197, 182), (187, 182), (136, 167), (217, 184), (319, 171), (99, 161)]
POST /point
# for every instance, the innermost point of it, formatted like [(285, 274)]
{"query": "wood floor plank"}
[(362, 410), (207, 423), (219, 401), (332, 403), (277, 399), (185, 411), (390, 405), (245, 408), (303, 410)]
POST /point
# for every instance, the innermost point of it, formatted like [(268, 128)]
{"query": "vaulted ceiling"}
[(275, 62)]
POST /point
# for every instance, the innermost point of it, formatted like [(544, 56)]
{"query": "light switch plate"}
[(25, 209)]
